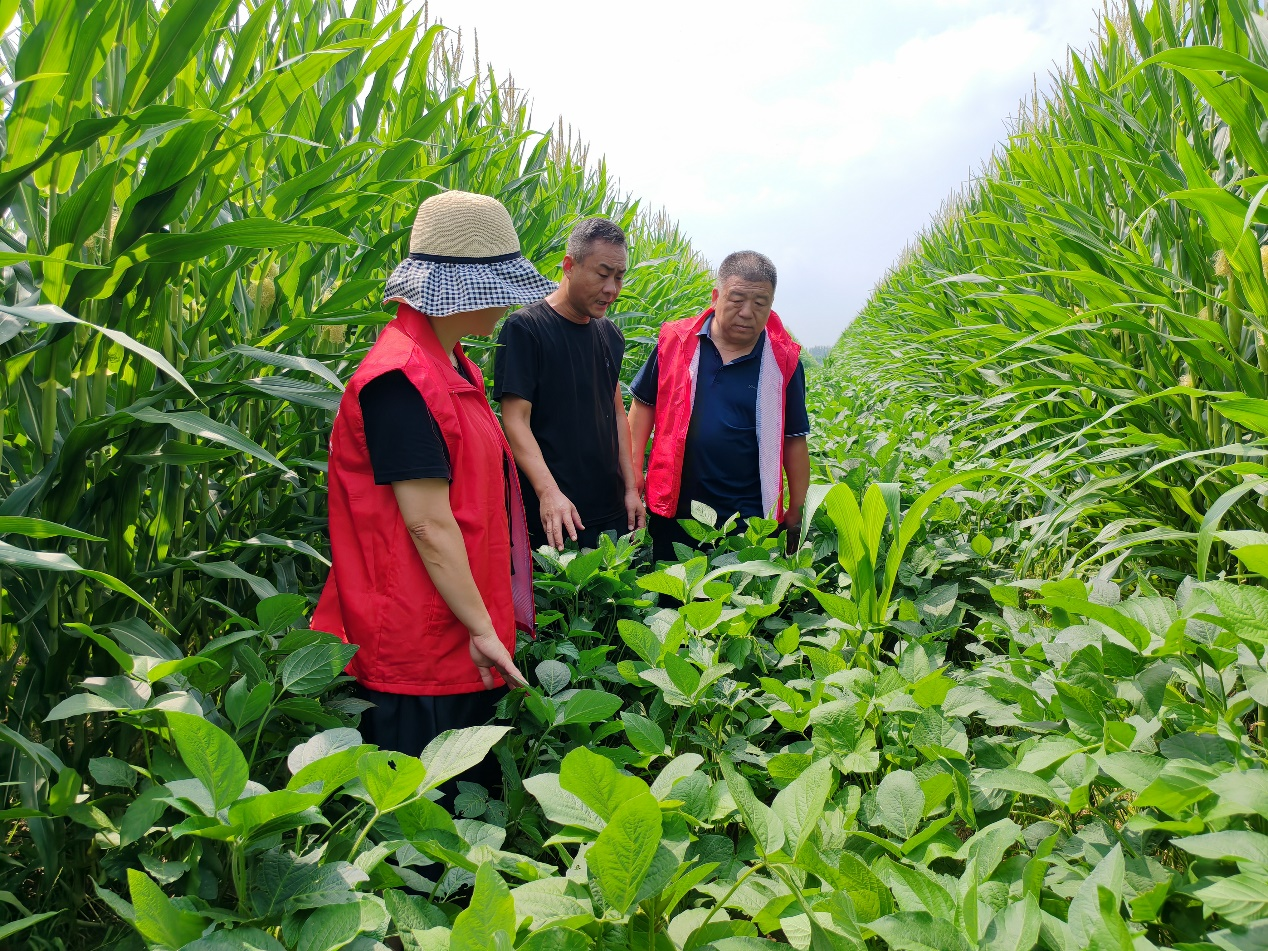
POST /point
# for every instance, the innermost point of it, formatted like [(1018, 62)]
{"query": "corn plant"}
[(201, 202), (1006, 689), (1092, 308)]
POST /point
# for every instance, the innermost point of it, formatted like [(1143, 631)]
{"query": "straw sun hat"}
[(464, 255)]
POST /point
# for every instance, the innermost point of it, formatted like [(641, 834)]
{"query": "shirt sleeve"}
[(515, 361), (796, 419), (646, 380), (403, 439), (617, 343)]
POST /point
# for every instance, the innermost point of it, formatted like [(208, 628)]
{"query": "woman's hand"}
[(488, 653)]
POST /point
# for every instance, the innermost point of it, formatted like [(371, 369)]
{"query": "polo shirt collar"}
[(704, 332)]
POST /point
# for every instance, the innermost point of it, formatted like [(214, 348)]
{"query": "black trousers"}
[(664, 532), (406, 724), (586, 538)]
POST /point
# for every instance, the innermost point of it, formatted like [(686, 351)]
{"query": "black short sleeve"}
[(403, 439), (515, 362), (796, 419), (616, 343), (646, 381)]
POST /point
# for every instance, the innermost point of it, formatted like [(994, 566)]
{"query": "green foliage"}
[(1089, 315), (991, 697), (200, 204)]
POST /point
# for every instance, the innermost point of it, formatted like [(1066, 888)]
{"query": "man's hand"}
[(792, 537), (636, 515), (490, 654), (559, 515)]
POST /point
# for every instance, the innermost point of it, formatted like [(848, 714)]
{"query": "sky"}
[(824, 133)]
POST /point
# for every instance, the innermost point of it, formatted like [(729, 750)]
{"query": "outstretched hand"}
[(488, 653)]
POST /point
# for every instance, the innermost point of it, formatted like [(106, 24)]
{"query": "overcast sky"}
[(821, 132)]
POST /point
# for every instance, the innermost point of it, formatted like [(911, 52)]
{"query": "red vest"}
[(677, 354), (378, 594)]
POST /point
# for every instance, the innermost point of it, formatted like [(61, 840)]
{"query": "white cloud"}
[(824, 132)]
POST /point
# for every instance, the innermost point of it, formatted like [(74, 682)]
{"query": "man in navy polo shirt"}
[(729, 439)]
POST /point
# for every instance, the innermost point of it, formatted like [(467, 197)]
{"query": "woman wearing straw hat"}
[(431, 572)]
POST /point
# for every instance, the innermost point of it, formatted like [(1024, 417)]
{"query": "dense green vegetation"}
[(1006, 691)]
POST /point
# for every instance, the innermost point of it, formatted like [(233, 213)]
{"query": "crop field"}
[(1006, 690)]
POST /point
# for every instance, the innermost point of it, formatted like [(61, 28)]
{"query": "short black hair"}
[(587, 232), (748, 266)]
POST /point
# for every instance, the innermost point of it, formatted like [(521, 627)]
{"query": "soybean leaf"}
[(559, 805), (285, 883), (456, 751), (390, 778), (622, 855), (763, 824), (158, 919), (800, 804), (490, 913), (596, 781), (239, 939), (312, 668), (279, 612), (644, 735), (211, 755), (79, 704), (640, 640), (553, 676), (589, 706), (112, 772), (331, 926), (1018, 781), (919, 931), (1015, 928), (318, 747), (1231, 845), (900, 803)]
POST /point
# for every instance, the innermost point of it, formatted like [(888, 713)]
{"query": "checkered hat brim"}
[(441, 288)]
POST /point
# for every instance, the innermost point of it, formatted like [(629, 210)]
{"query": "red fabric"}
[(675, 350), (378, 594)]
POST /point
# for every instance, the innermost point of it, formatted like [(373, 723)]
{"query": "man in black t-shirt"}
[(557, 374)]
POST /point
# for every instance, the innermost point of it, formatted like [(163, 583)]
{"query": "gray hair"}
[(747, 266), (587, 232)]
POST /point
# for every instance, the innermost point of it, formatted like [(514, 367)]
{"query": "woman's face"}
[(482, 322)]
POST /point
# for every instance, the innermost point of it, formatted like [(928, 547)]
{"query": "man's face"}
[(594, 282), (741, 309)]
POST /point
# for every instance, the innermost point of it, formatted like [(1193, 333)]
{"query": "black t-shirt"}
[(404, 441), (569, 372)]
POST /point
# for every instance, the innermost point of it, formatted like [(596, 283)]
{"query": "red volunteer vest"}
[(378, 594), (676, 353)]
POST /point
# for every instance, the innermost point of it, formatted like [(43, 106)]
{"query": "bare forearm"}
[(623, 443), (797, 467), (516, 415), (642, 419), (559, 516), (439, 542)]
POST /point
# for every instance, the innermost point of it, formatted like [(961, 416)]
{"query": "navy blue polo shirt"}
[(720, 466)]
